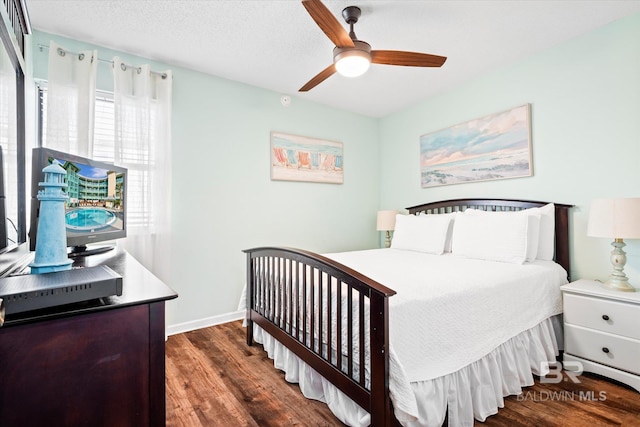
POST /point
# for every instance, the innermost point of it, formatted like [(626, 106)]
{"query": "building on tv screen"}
[(96, 198)]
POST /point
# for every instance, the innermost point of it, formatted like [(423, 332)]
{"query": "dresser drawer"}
[(616, 351), (615, 317)]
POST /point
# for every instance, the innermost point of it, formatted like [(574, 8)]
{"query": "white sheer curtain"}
[(71, 95), (142, 110)]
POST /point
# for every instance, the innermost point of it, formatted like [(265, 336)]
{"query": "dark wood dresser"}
[(97, 363)]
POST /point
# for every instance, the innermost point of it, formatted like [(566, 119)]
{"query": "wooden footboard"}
[(333, 318)]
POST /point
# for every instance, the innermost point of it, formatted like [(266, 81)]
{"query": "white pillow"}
[(533, 237), (546, 239), (500, 236), (421, 233), (533, 228), (452, 216)]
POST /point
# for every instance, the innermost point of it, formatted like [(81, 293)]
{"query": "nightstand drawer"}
[(616, 351), (604, 315)]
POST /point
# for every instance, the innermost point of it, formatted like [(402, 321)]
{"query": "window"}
[(103, 150)]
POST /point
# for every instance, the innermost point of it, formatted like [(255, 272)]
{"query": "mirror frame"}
[(14, 26)]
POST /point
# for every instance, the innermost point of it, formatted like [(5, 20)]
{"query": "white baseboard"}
[(205, 323)]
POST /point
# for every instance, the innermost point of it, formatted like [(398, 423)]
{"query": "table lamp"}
[(386, 222), (618, 219)]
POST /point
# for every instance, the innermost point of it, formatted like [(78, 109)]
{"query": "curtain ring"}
[(139, 70), (61, 52), (81, 56), (124, 67)]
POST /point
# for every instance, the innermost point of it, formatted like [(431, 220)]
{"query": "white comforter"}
[(450, 311), (446, 303)]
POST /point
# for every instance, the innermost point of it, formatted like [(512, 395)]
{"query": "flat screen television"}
[(95, 210)]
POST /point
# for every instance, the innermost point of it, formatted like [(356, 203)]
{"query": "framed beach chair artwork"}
[(302, 158)]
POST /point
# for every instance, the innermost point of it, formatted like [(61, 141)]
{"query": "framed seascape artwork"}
[(496, 146), (301, 158)]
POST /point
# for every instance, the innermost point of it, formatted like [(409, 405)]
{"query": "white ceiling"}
[(276, 45)]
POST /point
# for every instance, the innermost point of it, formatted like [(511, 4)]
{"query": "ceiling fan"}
[(352, 57)]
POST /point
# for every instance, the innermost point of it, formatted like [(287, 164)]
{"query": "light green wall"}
[(585, 99), (223, 198)]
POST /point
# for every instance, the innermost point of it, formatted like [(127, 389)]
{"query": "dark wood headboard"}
[(562, 255)]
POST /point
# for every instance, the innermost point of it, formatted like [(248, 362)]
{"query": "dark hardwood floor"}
[(215, 379)]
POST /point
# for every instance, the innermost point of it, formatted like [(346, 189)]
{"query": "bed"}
[(362, 332)]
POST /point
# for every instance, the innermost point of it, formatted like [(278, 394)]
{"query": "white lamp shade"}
[(615, 218), (386, 220)]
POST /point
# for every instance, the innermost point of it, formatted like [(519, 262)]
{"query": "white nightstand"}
[(602, 330)]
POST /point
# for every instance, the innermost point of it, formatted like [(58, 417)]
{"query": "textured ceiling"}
[(277, 46)]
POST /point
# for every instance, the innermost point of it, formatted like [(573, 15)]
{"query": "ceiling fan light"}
[(352, 62), (352, 65)]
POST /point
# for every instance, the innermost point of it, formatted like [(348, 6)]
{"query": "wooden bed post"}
[(380, 408), (249, 297), (562, 256)]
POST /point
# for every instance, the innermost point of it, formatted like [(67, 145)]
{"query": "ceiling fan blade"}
[(319, 78), (409, 59), (328, 23)]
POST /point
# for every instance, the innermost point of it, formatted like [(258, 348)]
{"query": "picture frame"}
[(306, 159), (496, 146)]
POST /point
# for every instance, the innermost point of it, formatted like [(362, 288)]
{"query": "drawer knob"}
[(605, 349), (605, 317)]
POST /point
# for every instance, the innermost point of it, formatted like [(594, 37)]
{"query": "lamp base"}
[(618, 280), (618, 285)]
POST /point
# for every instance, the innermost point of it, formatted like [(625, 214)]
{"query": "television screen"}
[(95, 209)]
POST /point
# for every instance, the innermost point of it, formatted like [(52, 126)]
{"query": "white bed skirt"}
[(473, 392)]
